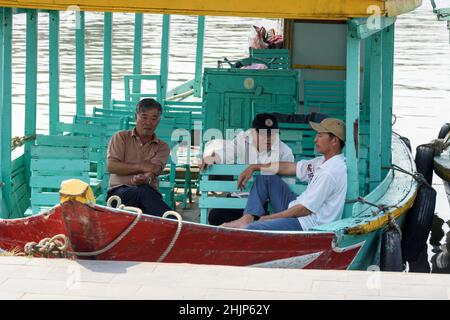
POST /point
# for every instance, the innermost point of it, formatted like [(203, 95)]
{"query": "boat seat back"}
[(97, 152), (176, 132), (300, 138), (20, 196), (133, 84), (113, 124), (53, 160), (276, 58), (326, 97), (176, 109)]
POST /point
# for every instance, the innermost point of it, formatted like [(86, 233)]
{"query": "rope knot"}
[(55, 246)]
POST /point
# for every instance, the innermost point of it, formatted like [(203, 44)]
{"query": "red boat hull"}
[(93, 228)]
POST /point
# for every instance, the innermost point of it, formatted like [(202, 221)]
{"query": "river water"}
[(421, 79)]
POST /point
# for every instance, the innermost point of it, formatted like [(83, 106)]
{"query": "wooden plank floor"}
[(35, 278)]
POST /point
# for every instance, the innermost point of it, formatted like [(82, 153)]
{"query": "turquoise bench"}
[(98, 143), (53, 160), (213, 192)]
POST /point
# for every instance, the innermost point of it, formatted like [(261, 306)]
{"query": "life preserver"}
[(418, 222), (444, 130)]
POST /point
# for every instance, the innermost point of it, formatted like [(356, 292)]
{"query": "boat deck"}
[(36, 278)]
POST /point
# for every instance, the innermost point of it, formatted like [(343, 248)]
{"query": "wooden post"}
[(352, 114), (387, 97), (3, 206), (164, 69), (375, 112), (30, 84), (107, 59), (137, 56), (6, 112), (288, 36), (199, 56), (81, 64), (53, 71), (364, 122)]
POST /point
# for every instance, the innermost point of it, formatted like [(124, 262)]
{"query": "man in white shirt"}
[(322, 201), (258, 145)]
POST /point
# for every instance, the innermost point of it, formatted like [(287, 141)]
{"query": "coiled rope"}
[(57, 245)]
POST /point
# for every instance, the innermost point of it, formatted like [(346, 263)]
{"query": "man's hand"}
[(142, 178), (150, 168), (245, 176), (265, 217)]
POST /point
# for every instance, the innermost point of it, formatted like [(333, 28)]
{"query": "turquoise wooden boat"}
[(326, 75)]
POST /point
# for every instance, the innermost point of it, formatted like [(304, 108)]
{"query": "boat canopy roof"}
[(290, 9)]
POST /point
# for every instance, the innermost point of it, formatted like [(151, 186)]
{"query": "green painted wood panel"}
[(223, 169), (58, 141), (352, 114), (165, 47), (52, 181), (107, 59), (81, 64), (47, 199), (221, 186), (54, 70), (59, 165), (231, 203), (6, 112), (137, 53), (46, 152), (17, 164), (375, 111), (199, 56), (387, 98), (31, 83), (82, 129)]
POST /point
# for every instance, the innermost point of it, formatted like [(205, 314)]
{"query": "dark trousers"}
[(218, 216), (143, 197), (221, 215)]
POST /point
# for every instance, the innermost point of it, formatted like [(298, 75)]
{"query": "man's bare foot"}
[(240, 223)]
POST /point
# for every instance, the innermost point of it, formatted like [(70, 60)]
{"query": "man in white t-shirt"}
[(259, 144), (322, 201)]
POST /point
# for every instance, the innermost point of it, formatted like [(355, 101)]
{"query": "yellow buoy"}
[(77, 190)]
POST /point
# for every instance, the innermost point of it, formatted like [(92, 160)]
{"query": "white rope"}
[(58, 244), (111, 199), (176, 235), (118, 239)]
